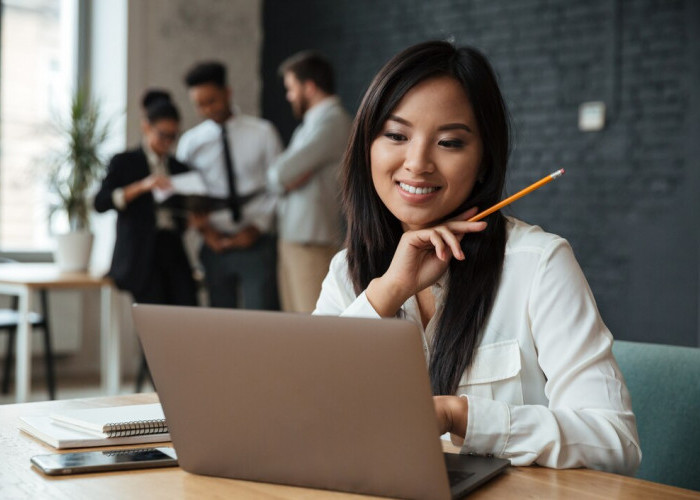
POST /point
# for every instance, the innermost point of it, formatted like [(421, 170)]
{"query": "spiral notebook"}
[(117, 421), (134, 424), (61, 437)]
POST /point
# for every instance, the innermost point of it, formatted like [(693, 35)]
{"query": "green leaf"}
[(76, 164)]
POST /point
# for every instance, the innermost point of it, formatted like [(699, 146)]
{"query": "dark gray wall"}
[(628, 202)]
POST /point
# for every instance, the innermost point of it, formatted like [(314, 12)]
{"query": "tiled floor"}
[(72, 389)]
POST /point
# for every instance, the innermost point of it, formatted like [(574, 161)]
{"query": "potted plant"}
[(74, 167)]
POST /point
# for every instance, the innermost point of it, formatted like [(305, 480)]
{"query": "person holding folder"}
[(233, 151), (519, 358), (149, 259)]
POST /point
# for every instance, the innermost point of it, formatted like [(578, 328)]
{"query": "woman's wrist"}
[(460, 415), (452, 412), (134, 190), (385, 297), (145, 186)]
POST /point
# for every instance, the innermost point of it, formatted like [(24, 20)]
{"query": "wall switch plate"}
[(591, 116)]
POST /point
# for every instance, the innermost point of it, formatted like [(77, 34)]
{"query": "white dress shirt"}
[(311, 214), (543, 387), (254, 144)]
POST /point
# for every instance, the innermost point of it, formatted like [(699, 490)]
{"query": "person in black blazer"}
[(149, 258)]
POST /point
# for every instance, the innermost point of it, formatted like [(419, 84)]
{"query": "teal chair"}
[(664, 382)]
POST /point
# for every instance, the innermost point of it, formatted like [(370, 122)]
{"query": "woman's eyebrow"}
[(447, 126), (398, 119), (453, 126)]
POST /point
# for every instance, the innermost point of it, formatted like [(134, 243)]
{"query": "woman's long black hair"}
[(374, 232)]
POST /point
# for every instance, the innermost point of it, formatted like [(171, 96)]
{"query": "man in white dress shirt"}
[(306, 178), (233, 152)]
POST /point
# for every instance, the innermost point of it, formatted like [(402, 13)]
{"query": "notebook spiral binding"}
[(130, 451), (136, 428)]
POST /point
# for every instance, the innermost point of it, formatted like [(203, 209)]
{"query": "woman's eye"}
[(452, 143), (392, 136)]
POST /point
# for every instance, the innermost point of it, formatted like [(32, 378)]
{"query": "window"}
[(37, 73)]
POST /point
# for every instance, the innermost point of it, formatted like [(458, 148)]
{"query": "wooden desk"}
[(22, 279), (18, 480)]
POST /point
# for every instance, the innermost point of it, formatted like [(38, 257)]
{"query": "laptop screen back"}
[(324, 402)]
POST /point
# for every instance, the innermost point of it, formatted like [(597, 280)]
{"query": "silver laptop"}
[(316, 401)]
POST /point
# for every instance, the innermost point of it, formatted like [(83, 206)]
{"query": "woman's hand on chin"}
[(421, 258)]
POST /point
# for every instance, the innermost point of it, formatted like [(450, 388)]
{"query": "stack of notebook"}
[(133, 424)]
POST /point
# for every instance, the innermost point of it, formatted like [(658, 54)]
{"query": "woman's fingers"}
[(442, 238), (436, 240), (452, 242), (463, 227)]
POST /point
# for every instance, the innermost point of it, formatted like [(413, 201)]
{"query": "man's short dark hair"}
[(310, 65), (206, 72), (154, 95)]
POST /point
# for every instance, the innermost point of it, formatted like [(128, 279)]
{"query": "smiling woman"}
[(427, 158), (519, 358)]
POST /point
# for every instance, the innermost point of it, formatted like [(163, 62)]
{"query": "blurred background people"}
[(149, 258), (233, 152), (306, 178)]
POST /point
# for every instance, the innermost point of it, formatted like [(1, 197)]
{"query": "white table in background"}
[(22, 279)]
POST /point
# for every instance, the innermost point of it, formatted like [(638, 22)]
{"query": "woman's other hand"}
[(451, 412), (156, 181)]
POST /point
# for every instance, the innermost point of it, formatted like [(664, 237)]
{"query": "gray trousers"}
[(243, 278)]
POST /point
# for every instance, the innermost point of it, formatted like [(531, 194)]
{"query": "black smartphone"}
[(57, 464)]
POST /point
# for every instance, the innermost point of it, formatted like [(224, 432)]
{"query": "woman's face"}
[(161, 135), (427, 157)]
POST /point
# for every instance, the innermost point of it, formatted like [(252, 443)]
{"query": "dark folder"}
[(195, 203)]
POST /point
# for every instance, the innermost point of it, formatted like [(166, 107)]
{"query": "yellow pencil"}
[(518, 195)]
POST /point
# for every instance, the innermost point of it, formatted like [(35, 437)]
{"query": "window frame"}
[(81, 9)]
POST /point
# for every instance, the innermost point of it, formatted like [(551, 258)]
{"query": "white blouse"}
[(543, 387)]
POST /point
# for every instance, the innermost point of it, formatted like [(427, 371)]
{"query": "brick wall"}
[(628, 203)]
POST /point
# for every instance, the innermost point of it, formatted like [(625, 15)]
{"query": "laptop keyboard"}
[(457, 476)]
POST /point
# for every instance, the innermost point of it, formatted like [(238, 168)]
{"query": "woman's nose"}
[(418, 157)]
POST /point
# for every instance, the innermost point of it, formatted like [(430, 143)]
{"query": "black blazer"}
[(134, 248)]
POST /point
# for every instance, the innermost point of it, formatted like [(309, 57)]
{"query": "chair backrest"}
[(664, 383)]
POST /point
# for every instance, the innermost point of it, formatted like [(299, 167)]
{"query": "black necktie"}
[(231, 177)]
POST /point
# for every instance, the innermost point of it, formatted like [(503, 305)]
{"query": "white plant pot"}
[(73, 251)]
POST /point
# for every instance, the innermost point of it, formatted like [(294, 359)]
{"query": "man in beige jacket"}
[(306, 178)]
